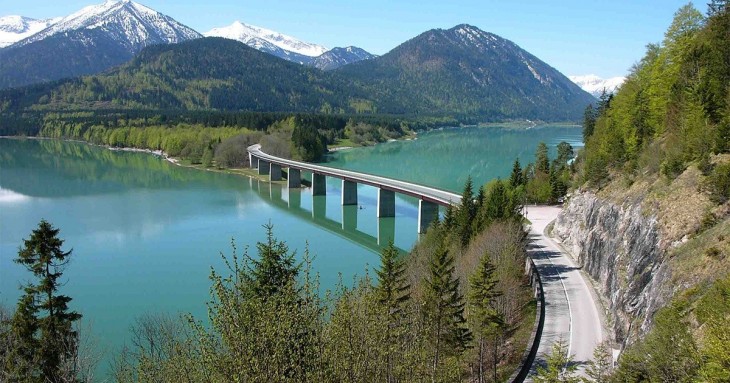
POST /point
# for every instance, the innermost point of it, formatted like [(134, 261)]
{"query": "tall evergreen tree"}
[(392, 289), (275, 267), (516, 178), (484, 318), (51, 339), (444, 309), (392, 293), (542, 162), (466, 213), (589, 121)]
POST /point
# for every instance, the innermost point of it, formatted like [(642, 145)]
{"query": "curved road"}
[(571, 313), (426, 193)]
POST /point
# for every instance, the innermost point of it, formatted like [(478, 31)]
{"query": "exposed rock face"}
[(622, 250)]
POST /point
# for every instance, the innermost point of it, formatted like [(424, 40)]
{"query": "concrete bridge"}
[(429, 199)]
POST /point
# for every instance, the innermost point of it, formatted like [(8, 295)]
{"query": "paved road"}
[(570, 310), (441, 197)]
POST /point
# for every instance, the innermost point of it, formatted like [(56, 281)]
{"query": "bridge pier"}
[(319, 184), (349, 193), (275, 172), (253, 161), (263, 167), (386, 203), (427, 213), (294, 178)]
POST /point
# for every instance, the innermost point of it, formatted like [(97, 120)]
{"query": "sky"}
[(576, 37)]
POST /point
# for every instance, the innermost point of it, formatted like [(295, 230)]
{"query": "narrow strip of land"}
[(571, 312)]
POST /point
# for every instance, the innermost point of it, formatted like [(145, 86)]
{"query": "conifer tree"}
[(516, 179), (49, 341), (275, 267), (444, 309), (392, 289), (484, 318), (466, 213), (392, 293), (542, 162)]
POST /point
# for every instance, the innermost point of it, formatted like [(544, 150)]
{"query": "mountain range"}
[(105, 35), (150, 61), (16, 28), (596, 85)]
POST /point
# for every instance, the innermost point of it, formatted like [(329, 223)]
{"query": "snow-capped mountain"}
[(338, 57), (89, 41), (130, 23), (595, 85), (16, 28), (265, 40)]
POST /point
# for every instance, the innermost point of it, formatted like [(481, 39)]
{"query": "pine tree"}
[(542, 162), (392, 293), (599, 368), (466, 213), (444, 309), (51, 340), (275, 267), (559, 368), (589, 121), (484, 318), (516, 179), (392, 290)]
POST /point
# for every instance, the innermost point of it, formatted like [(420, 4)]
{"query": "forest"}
[(668, 126)]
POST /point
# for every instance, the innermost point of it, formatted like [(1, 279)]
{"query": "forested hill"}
[(210, 73), (460, 72), (471, 71)]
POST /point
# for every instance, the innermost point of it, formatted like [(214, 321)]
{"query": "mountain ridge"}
[(88, 41), (416, 78)]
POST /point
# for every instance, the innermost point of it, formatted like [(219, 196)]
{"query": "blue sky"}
[(576, 37)]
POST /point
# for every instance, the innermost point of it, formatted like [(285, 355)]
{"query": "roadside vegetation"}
[(664, 139)]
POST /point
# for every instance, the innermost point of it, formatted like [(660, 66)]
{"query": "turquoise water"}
[(145, 233), (445, 158)]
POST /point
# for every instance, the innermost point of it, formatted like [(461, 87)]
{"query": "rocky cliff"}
[(622, 249)]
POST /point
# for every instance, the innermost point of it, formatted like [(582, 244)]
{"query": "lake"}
[(145, 233)]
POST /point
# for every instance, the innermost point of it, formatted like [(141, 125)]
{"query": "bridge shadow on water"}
[(347, 228)]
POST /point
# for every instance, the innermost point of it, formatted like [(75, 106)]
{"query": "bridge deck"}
[(426, 193)]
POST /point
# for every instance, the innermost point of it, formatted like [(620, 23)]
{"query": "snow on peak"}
[(595, 85), (260, 38), (127, 21), (15, 28)]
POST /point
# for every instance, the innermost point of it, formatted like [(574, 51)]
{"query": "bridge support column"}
[(253, 161), (275, 172), (294, 178), (386, 203), (427, 213), (349, 193), (263, 167), (319, 184)]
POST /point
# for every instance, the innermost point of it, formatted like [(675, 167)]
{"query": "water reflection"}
[(290, 199)]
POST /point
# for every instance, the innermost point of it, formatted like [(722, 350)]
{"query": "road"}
[(441, 197), (571, 312)]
